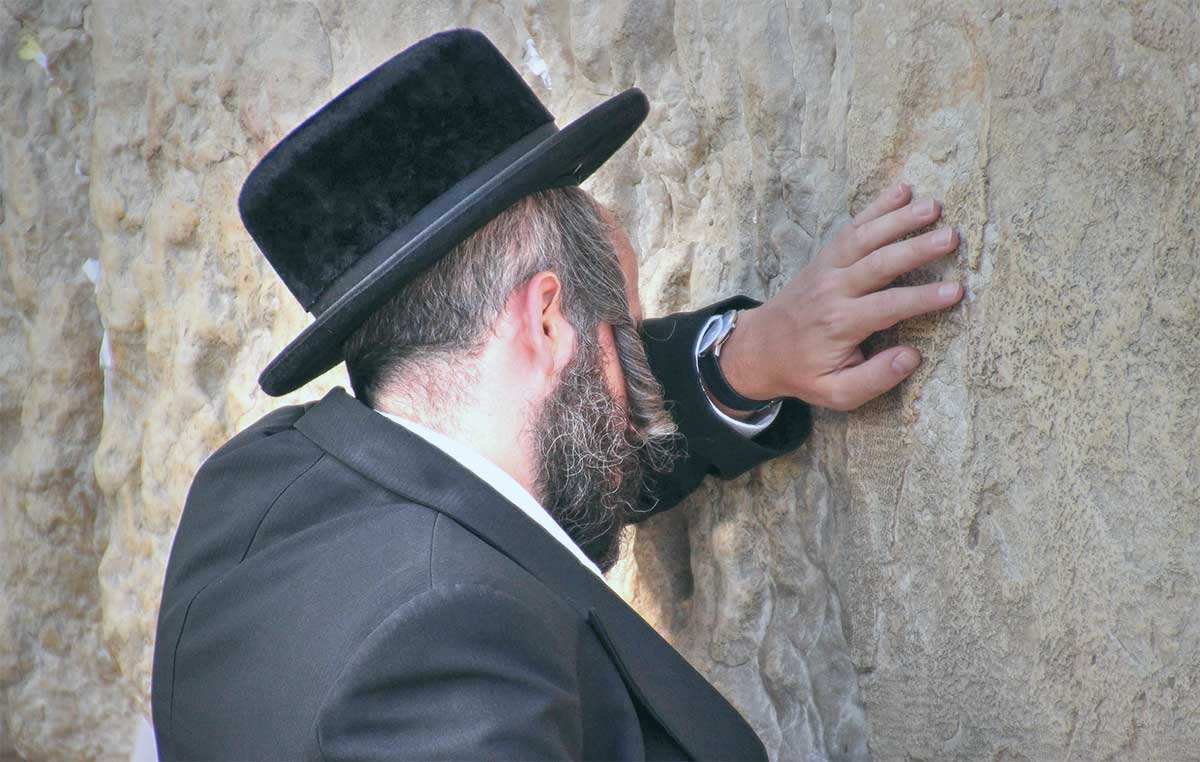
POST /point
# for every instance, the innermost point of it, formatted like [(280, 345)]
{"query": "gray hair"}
[(419, 343)]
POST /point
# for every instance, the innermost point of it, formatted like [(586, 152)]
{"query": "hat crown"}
[(398, 169), (368, 161)]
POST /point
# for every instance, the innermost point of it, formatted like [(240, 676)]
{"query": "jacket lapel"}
[(695, 714)]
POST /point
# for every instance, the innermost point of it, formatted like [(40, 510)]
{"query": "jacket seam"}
[(316, 723), (316, 727), (188, 611), (175, 659), (262, 519), (437, 516)]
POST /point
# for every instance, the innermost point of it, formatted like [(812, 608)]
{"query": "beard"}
[(590, 469)]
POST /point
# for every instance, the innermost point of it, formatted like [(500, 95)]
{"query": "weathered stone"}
[(61, 691), (1019, 555), (996, 560)]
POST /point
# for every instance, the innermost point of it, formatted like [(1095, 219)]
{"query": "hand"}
[(805, 341)]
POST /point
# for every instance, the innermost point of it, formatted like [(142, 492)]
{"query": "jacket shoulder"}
[(273, 423), (231, 488)]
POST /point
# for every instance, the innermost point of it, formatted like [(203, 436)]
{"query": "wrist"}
[(737, 359)]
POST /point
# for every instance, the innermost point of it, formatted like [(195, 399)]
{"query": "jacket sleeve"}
[(460, 672), (710, 445)]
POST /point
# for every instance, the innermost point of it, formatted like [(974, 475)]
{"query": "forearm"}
[(710, 445)]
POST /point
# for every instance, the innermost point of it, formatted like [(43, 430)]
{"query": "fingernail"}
[(901, 189), (948, 290), (924, 208), (942, 237), (905, 361)]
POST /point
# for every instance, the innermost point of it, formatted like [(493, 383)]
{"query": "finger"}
[(850, 387), (880, 268), (883, 309), (889, 199), (866, 238)]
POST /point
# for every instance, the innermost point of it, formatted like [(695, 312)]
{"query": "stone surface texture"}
[(997, 560)]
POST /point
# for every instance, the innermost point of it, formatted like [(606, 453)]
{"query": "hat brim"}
[(567, 157)]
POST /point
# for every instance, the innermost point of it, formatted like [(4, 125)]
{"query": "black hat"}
[(399, 168)]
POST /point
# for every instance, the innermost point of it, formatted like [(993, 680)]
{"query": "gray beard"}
[(590, 471)]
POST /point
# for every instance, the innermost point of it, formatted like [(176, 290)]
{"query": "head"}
[(535, 316)]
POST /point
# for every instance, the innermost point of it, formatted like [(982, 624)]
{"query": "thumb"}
[(867, 380)]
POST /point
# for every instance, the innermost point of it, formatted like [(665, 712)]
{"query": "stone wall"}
[(996, 560)]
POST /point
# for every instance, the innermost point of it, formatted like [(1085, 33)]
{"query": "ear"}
[(544, 337)]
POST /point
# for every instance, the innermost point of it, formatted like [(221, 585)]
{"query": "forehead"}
[(627, 258)]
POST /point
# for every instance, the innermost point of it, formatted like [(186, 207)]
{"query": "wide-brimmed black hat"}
[(399, 168)]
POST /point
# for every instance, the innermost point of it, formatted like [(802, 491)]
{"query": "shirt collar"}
[(499, 480)]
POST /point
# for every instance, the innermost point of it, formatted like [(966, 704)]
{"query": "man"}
[(416, 571)]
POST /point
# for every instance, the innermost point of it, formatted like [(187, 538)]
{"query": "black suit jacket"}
[(340, 588)]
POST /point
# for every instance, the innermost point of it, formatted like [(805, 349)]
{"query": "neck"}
[(487, 423)]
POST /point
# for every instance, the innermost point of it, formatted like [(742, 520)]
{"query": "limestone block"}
[(61, 692), (1019, 555)]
